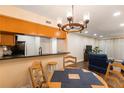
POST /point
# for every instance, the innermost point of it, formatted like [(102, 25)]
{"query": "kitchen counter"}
[(14, 70), (22, 56)]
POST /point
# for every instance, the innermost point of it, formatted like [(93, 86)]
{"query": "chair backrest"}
[(37, 74), (98, 60), (115, 75), (69, 60)]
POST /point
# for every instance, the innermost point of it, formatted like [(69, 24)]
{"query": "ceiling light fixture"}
[(116, 14), (95, 34), (71, 26), (122, 24)]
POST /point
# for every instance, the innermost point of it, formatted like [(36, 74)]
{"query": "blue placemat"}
[(86, 79)]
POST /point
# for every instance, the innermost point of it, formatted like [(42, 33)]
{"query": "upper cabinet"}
[(51, 32), (7, 39), (9, 24)]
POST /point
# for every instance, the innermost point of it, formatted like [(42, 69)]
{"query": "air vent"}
[(48, 22)]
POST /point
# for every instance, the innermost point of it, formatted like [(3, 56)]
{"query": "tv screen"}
[(89, 48)]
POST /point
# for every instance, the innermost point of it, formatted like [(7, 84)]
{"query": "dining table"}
[(76, 78)]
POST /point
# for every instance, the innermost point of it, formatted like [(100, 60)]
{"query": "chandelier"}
[(72, 26)]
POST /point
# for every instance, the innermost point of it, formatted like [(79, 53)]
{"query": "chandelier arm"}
[(72, 26)]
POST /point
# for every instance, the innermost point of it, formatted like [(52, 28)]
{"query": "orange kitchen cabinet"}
[(14, 25), (7, 39), (18, 26), (51, 32)]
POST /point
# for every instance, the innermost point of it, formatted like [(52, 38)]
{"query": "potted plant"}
[(96, 50)]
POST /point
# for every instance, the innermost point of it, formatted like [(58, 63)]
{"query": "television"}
[(87, 51), (88, 48)]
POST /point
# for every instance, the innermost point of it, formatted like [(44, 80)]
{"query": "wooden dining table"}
[(76, 78)]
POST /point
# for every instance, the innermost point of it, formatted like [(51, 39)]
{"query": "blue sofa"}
[(98, 62)]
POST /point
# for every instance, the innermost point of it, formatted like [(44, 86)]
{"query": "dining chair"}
[(38, 77), (51, 66), (114, 77), (69, 62)]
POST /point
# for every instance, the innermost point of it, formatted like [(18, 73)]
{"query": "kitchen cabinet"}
[(7, 39), (14, 25), (50, 32)]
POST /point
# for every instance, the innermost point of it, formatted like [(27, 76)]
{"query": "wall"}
[(33, 43), (61, 45), (37, 45), (31, 48), (114, 48), (14, 73), (107, 47), (23, 14), (54, 45), (1, 51), (45, 43), (77, 43)]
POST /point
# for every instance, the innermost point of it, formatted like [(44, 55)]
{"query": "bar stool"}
[(51, 66)]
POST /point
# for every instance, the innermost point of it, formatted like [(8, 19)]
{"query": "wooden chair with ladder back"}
[(114, 77), (38, 76), (70, 62)]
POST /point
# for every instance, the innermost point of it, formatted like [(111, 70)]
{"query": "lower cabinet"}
[(7, 39)]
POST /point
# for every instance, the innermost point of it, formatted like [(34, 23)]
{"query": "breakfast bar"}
[(14, 70)]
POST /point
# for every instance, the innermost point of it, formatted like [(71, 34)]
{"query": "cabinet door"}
[(0, 39), (14, 25), (7, 39), (50, 32)]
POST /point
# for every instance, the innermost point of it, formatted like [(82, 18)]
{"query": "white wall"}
[(61, 45), (30, 45), (25, 15), (114, 48), (1, 51), (37, 45), (33, 44), (77, 44), (54, 45), (45, 43)]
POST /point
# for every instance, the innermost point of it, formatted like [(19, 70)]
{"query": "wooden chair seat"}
[(52, 63), (72, 67), (51, 66), (54, 84)]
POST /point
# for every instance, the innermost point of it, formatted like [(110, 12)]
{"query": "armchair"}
[(98, 62)]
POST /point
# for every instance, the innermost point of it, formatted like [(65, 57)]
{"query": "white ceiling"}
[(102, 21)]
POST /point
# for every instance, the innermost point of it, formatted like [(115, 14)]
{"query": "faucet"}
[(40, 50)]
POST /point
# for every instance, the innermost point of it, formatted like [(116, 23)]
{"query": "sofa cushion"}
[(98, 61)]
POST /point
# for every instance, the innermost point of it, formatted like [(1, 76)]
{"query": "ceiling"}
[(102, 21)]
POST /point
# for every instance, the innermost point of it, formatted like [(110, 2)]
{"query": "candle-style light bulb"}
[(59, 23), (69, 14), (86, 18)]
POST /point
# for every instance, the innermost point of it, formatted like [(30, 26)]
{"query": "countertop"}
[(22, 56)]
